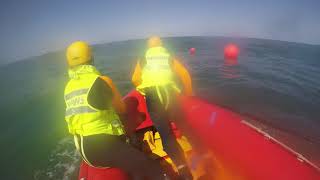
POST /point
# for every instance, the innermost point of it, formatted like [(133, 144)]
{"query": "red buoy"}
[(192, 51), (231, 51)]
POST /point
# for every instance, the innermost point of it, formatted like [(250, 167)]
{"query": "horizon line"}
[(165, 37)]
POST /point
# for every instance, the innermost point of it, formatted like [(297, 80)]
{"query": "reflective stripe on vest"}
[(82, 118), (79, 110), (76, 93)]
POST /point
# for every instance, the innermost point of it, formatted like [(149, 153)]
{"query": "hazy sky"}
[(33, 27)]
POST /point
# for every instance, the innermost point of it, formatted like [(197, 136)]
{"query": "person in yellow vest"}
[(154, 77), (93, 105)]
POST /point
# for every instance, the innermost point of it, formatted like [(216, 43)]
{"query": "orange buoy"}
[(192, 51), (231, 51)]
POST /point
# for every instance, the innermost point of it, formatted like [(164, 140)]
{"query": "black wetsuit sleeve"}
[(100, 95)]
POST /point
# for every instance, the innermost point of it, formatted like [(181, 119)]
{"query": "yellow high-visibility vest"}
[(82, 118), (157, 70)]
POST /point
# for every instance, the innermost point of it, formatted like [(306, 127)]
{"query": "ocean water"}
[(275, 82)]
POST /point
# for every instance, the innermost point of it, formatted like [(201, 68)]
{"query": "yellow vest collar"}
[(158, 49), (76, 72)]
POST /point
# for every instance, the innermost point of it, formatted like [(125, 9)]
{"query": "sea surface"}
[(275, 82)]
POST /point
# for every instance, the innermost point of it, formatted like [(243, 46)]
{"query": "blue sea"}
[(276, 83)]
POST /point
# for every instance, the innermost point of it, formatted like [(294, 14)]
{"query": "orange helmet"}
[(154, 41)]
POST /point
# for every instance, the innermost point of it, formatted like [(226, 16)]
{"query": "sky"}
[(34, 27)]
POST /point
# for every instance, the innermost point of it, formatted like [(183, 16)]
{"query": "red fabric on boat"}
[(239, 148), (90, 173), (142, 107)]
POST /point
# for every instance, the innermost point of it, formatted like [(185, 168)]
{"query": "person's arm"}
[(184, 76), (117, 102), (136, 77)]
